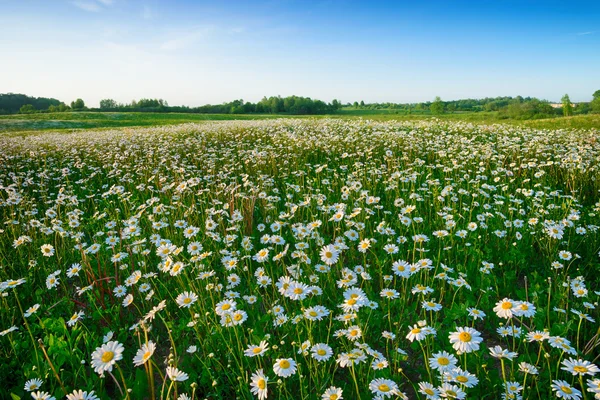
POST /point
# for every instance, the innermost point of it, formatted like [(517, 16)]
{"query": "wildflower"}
[(579, 367), (332, 393), (186, 299), (442, 361), (176, 375), (465, 340), (144, 354), (384, 388), (564, 390), (258, 384), (104, 357), (33, 384), (81, 395), (284, 367), (254, 350), (321, 352)]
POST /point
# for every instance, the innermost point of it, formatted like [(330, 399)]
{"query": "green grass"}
[(96, 120)]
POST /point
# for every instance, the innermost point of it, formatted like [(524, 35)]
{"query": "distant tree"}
[(335, 104), (437, 107), (567, 106), (451, 107), (27, 109), (78, 105), (595, 103), (362, 103), (106, 104), (355, 104)]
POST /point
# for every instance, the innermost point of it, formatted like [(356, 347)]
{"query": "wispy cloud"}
[(91, 5), (186, 39), (87, 5), (586, 33)]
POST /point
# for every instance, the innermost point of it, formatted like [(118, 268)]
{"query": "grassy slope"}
[(87, 120)]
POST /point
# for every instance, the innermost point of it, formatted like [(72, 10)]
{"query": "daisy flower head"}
[(258, 384), (505, 308), (332, 393), (254, 350), (442, 361), (564, 390), (384, 388), (81, 395), (580, 367), (186, 299), (144, 354), (465, 339), (321, 352), (33, 384), (176, 375), (105, 356), (284, 367)]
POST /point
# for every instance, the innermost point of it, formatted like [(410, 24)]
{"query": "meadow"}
[(311, 258)]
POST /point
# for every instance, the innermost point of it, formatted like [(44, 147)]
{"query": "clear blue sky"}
[(198, 52)]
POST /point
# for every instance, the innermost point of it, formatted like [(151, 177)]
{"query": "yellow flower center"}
[(465, 337), (507, 305), (415, 331), (451, 393), (443, 361), (107, 356), (333, 397), (261, 384), (580, 369), (146, 355), (256, 350), (238, 317), (384, 388), (313, 313), (351, 302), (354, 332), (429, 392), (187, 300), (462, 379), (226, 307), (321, 352), (328, 254), (298, 290), (566, 389), (284, 364)]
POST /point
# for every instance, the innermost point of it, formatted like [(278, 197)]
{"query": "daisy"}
[(104, 357), (176, 375), (564, 390), (475, 313), (465, 340), (430, 391), (442, 361), (33, 384), (579, 367), (329, 255), (504, 308), (332, 393), (47, 250), (416, 333), (451, 391), (81, 395), (321, 352), (383, 388), (144, 353), (499, 352), (284, 367), (258, 384), (254, 350), (186, 299), (42, 396), (31, 310)]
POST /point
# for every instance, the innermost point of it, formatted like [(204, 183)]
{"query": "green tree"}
[(27, 109), (595, 104), (106, 104), (437, 107), (567, 106), (78, 105)]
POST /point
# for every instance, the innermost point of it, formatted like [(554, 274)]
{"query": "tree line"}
[(506, 107)]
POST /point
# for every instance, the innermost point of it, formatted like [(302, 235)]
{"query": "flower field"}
[(305, 259)]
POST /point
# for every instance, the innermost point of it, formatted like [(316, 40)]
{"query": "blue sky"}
[(198, 52)]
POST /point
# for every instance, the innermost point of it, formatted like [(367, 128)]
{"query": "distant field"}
[(95, 120)]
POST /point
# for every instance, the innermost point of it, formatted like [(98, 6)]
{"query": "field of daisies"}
[(305, 259)]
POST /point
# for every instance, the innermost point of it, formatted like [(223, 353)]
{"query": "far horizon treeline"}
[(506, 107)]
